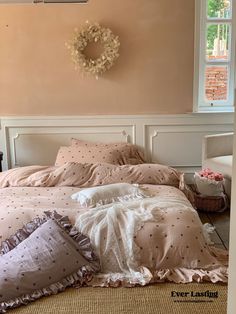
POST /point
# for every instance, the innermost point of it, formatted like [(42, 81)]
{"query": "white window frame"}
[(199, 103)]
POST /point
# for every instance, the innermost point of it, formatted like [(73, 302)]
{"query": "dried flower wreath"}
[(94, 33)]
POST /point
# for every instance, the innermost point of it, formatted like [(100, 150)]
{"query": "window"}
[(214, 55)]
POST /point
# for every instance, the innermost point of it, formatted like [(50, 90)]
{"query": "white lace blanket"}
[(112, 230)]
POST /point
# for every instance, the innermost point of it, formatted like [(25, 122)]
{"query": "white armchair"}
[(217, 154)]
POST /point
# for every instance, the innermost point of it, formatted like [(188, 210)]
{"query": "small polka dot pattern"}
[(127, 153), (174, 241), (41, 264), (116, 154)]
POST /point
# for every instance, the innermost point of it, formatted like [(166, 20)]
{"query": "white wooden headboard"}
[(175, 140)]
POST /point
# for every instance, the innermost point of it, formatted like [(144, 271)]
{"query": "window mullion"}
[(210, 20)]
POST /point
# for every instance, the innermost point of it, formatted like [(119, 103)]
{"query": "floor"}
[(151, 299), (221, 223)]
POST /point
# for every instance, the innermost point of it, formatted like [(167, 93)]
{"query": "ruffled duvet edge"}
[(175, 275), (216, 274)]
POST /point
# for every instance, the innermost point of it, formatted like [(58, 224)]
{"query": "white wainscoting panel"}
[(175, 140), (179, 146)]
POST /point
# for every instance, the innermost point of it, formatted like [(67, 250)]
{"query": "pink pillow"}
[(130, 154), (44, 257), (90, 155)]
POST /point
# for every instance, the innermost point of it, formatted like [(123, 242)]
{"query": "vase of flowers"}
[(209, 183)]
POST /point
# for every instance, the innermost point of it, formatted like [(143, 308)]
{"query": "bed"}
[(164, 240)]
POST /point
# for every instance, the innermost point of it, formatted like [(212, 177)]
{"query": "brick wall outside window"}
[(216, 83)]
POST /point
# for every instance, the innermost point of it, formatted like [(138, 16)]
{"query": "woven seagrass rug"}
[(152, 299)]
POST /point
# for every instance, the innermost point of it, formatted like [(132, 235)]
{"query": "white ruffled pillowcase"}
[(107, 194)]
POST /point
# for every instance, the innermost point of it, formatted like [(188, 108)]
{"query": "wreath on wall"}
[(98, 34)]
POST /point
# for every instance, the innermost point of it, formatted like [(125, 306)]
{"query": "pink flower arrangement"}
[(211, 175)]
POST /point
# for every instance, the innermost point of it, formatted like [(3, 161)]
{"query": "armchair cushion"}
[(217, 152), (221, 164), (217, 145)]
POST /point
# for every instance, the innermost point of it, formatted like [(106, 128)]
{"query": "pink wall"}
[(154, 73)]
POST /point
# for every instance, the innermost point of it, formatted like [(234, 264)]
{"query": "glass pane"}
[(219, 9), (216, 83), (218, 38)]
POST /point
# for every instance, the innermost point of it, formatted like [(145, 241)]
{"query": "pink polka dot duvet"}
[(166, 239)]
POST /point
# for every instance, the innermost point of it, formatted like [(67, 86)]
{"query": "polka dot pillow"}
[(87, 155), (130, 154), (43, 258), (88, 152)]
